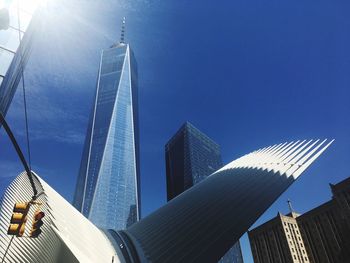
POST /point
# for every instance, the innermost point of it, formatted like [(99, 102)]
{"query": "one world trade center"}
[(107, 190)]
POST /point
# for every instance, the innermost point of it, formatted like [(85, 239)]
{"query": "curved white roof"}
[(66, 233), (248, 186)]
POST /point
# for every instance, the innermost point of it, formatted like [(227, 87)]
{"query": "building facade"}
[(191, 156), (326, 228), (17, 29), (323, 233), (107, 190), (278, 240), (341, 196)]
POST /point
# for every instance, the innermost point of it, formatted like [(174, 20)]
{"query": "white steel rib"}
[(286, 158)]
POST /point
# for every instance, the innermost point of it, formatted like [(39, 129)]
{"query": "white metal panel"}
[(64, 228)]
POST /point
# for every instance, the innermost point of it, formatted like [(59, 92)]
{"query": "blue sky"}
[(247, 73)]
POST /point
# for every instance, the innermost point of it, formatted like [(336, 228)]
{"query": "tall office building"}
[(16, 34), (107, 190), (191, 156), (321, 235)]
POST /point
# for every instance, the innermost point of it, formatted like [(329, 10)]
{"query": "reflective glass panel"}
[(9, 39), (25, 20), (13, 15), (111, 67), (5, 60)]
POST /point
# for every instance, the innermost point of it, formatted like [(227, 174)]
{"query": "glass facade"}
[(107, 190), (191, 156), (15, 42)]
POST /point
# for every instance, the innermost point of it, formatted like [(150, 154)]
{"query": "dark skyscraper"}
[(191, 156), (107, 190)]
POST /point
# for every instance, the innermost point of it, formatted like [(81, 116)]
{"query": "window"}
[(9, 39), (5, 61)]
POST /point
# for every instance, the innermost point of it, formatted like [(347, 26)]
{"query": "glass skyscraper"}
[(16, 34), (191, 156), (107, 190)]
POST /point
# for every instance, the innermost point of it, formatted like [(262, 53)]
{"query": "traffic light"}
[(37, 223), (18, 219)]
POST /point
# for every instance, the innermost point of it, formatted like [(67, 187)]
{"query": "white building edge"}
[(67, 236)]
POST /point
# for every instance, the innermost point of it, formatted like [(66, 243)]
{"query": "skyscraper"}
[(107, 190), (16, 34), (191, 156)]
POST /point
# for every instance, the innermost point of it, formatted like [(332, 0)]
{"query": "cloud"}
[(69, 137), (48, 119)]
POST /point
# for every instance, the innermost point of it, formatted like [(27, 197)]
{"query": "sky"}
[(247, 73)]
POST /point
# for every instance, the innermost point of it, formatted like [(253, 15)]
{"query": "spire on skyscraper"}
[(122, 33)]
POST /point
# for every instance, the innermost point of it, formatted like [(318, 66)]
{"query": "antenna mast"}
[(122, 33), (290, 206)]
